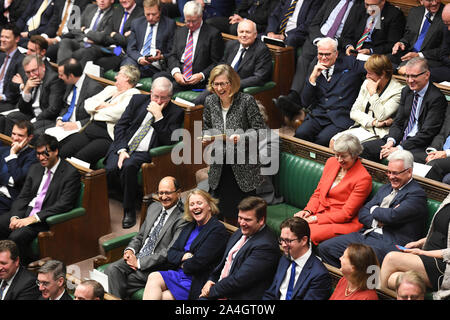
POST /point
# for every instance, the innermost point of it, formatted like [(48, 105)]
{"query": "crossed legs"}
[(156, 289)]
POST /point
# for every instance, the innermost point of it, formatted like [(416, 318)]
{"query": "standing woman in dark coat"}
[(232, 119)]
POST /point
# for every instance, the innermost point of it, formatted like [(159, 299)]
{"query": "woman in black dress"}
[(429, 256)]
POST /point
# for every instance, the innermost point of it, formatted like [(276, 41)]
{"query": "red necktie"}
[(5, 62)]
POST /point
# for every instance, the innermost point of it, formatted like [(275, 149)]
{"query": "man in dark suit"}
[(52, 186), (335, 19), (64, 19), (396, 215), (51, 281), (149, 47), (34, 19), (10, 11), (419, 116), (15, 162), (42, 97), (110, 44), (422, 37), (17, 283), (291, 19), (79, 87), (147, 251), (197, 48), (300, 274), (95, 17), (250, 259), (147, 122), (383, 27), (256, 11), (10, 64), (442, 72), (330, 92), (249, 56)]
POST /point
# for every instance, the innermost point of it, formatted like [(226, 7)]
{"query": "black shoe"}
[(129, 219), (288, 105)]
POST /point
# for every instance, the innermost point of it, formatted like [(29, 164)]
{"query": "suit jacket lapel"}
[(306, 270)]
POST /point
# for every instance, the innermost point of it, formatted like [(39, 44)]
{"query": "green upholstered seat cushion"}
[(277, 213), (433, 205), (254, 90), (187, 95)]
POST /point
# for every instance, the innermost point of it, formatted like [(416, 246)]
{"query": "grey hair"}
[(56, 267), (132, 72), (348, 143), (328, 40), (412, 277), (164, 84), (192, 8), (404, 155), (28, 58), (418, 60), (253, 24)]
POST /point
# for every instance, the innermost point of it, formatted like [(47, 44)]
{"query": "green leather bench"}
[(37, 246), (296, 181)]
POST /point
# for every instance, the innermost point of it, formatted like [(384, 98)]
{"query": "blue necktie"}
[(236, 66), (148, 42), (118, 49), (412, 117), (423, 32), (94, 27), (69, 112), (291, 281)]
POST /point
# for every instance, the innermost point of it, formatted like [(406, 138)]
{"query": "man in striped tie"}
[(147, 122), (419, 116), (197, 49), (290, 21)]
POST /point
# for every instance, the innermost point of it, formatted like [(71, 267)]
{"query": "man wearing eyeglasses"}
[(51, 281), (419, 116), (396, 215), (147, 122), (52, 186), (147, 251), (300, 274)]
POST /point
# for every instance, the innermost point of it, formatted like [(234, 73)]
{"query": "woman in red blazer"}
[(342, 190)]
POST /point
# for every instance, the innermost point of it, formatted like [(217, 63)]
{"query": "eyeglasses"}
[(167, 193), (395, 173), (323, 54), (42, 283), (414, 76), (286, 241), (220, 84), (162, 98), (43, 153)]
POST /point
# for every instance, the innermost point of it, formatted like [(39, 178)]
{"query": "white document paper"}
[(59, 133), (99, 277), (421, 169)]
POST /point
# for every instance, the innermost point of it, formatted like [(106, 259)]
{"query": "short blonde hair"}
[(212, 202), (379, 63), (132, 73), (230, 73)]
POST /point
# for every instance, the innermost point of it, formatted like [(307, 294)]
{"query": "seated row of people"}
[(18, 283)]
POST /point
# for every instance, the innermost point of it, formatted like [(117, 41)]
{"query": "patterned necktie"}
[(141, 134), (40, 199), (150, 245), (227, 266), (5, 63), (36, 19), (64, 19), (337, 21), (385, 203), (2, 288), (148, 42), (236, 66), (118, 49), (365, 35), (188, 56), (68, 114), (286, 17), (423, 32), (412, 117), (290, 288)]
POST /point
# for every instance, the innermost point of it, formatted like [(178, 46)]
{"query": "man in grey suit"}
[(96, 17), (147, 251)]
